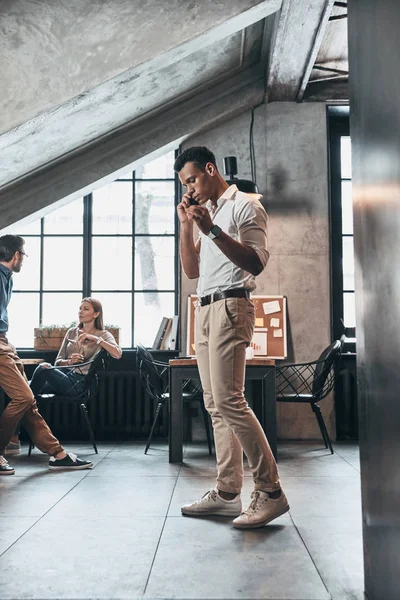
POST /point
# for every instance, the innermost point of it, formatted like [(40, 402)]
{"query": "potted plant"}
[(50, 337)]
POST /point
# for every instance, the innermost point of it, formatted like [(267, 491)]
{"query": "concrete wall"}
[(292, 173)]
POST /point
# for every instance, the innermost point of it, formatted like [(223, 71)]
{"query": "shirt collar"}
[(227, 195), (7, 272)]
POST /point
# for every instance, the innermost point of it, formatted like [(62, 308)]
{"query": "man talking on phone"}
[(230, 252)]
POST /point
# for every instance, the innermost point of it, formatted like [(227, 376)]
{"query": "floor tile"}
[(134, 465), (12, 528), (335, 545), (119, 512), (118, 497), (330, 465), (221, 562), (81, 558), (34, 496), (323, 496)]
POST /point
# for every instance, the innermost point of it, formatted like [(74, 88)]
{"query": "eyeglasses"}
[(24, 253)]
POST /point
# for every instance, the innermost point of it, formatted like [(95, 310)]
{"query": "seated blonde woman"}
[(80, 345)]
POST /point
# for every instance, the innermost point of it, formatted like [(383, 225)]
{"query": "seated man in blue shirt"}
[(22, 406)]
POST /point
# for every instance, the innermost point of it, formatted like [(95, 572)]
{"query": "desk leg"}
[(175, 418), (268, 415)]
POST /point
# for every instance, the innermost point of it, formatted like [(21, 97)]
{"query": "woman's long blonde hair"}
[(97, 307)]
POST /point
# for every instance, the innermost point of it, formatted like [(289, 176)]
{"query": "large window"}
[(117, 244), (343, 296)]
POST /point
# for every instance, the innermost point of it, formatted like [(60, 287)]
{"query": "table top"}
[(32, 361), (190, 362)]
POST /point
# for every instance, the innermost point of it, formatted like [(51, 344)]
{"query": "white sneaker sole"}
[(12, 452), (263, 523), (229, 512), (7, 472), (77, 468)]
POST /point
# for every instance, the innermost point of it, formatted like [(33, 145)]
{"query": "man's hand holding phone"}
[(186, 202)]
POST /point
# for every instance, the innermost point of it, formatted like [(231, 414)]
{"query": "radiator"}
[(121, 410)]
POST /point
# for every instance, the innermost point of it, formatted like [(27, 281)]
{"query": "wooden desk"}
[(260, 369)]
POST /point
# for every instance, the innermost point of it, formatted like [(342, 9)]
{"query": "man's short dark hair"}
[(9, 245), (199, 155)]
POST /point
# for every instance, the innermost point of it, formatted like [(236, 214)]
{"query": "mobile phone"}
[(193, 202)]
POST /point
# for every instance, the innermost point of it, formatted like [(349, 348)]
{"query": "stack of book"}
[(167, 334)]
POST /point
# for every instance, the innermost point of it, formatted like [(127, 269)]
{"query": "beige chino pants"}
[(223, 330), (22, 406)]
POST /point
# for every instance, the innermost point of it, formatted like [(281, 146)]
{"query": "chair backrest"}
[(99, 365), (325, 370), (153, 374)]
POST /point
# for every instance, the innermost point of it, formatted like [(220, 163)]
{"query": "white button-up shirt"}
[(244, 219)]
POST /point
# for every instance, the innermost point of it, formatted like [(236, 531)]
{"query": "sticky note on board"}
[(278, 333), (259, 322), (275, 322), (271, 307)]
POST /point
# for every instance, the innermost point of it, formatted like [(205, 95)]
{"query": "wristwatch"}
[(214, 232)]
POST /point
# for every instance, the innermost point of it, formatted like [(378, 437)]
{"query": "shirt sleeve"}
[(110, 339), (252, 221), (62, 353)]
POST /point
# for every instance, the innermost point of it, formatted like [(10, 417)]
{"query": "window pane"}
[(112, 208), (29, 276), (20, 332), (349, 310), (348, 263), (62, 263), (345, 156), (112, 263), (66, 219), (29, 229), (155, 207), (347, 208), (154, 263), (149, 310), (60, 309), (117, 310), (159, 168)]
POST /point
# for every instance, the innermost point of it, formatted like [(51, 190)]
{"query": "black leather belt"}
[(239, 293)]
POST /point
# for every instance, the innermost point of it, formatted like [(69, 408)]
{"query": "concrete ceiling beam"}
[(300, 28), (51, 52), (100, 162)]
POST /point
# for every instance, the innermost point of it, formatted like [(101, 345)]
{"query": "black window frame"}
[(338, 126), (87, 236)]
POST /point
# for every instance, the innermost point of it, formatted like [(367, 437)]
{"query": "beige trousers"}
[(22, 406), (223, 329)]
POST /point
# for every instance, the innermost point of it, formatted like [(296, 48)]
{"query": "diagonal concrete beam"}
[(101, 162), (298, 36), (51, 52)]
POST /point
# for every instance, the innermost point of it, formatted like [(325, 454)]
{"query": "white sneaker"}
[(212, 504), (262, 510)]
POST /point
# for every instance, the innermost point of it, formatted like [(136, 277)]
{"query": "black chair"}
[(155, 379), (310, 383), (97, 367)]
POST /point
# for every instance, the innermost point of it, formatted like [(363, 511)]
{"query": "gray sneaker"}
[(212, 504), (13, 448), (5, 468), (262, 510)]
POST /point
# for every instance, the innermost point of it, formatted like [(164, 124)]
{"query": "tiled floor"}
[(116, 531)]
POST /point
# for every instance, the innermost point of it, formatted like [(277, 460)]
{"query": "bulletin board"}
[(270, 333)]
